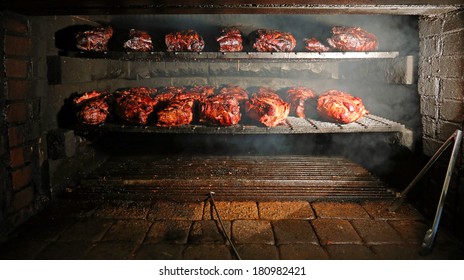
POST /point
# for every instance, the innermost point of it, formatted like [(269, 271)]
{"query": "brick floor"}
[(294, 231), (209, 231), (86, 230), (168, 231), (410, 231), (379, 210), (127, 230), (335, 231), (112, 250), (65, 251), (277, 210), (258, 252), (123, 210), (207, 252), (159, 251), (350, 252), (339, 210), (165, 210), (397, 252), (264, 230), (302, 251), (232, 210), (251, 231), (376, 232)]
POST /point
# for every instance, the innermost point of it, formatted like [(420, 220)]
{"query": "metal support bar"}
[(432, 232), (222, 226), (398, 201)]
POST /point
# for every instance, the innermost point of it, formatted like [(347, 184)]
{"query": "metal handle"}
[(223, 227), (432, 232), (398, 201)]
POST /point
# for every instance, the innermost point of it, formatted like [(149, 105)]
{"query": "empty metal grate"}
[(236, 178)]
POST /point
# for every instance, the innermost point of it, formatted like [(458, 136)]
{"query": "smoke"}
[(396, 102)]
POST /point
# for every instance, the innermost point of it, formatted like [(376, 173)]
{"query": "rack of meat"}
[(228, 110)]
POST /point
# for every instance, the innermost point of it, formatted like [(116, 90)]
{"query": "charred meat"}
[(341, 107), (267, 107), (135, 105), (92, 107), (220, 110), (352, 39), (314, 45), (274, 41), (297, 97), (95, 39), (184, 41), (198, 92), (177, 112), (230, 40), (235, 91), (139, 41)]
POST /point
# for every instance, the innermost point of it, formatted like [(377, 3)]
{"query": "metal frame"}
[(430, 235)]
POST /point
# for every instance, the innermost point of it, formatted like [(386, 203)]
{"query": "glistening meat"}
[(298, 97), (230, 40), (220, 110), (341, 107), (274, 41), (95, 39), (352, 39), (139, 41), (314, 45), (177, 112), (135, 105), (184, 41), (92, 107), (267, 108)]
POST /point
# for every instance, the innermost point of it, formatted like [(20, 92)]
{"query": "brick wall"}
[(21, 191), (441, 89)]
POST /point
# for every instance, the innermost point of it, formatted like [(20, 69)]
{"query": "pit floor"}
[(75, 229)]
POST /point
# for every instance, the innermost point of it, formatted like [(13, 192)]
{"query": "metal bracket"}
[(432, 232)]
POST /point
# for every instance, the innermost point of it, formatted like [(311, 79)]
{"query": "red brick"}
[(16, 26), (21, 177), (16, 68), (18, 90), (15, 45), (23, 198), (16, 136), (17, 157), (17, 112)]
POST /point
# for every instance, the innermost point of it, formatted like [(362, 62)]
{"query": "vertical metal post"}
[(432, 232)]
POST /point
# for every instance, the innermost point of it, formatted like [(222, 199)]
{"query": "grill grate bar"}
[(293, 125), (241, 177)]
